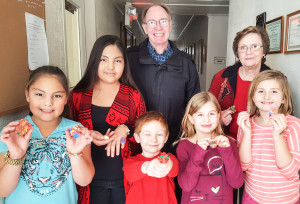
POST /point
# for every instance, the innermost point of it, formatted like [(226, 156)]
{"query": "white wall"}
[(55, 29), (213, 30), (216, 45), (242, 13), (107, 18), (198, 27), (73, 48), (90, 27)]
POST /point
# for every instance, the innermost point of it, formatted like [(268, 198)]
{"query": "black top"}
[(108, 168), (166, 88)]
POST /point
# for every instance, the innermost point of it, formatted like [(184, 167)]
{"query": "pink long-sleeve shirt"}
[(264, 181)]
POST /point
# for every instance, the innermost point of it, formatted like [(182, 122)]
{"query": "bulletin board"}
[(14, 70)]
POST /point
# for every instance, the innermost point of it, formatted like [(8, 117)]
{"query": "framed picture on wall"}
[(274, 28), (261, 19), (292, 33)]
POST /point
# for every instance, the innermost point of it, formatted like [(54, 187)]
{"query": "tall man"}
[(166, 76)]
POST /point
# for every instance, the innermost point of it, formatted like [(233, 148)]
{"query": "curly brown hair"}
[(252, 29)]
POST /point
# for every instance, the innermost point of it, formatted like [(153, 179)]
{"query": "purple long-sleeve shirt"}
[(208, 176)]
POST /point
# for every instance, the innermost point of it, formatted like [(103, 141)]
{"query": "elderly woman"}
[(231, 84)]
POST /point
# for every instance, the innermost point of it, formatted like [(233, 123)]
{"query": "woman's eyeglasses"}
[(253, 47)]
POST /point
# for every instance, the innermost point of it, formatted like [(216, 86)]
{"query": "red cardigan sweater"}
[(126, 108), (223, 86)]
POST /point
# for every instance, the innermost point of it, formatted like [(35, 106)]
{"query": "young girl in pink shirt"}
[(269, 142), (209, 165)]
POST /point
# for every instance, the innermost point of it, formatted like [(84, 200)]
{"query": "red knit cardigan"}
[(126, 108)]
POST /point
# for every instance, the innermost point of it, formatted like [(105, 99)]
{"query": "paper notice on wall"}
[(36, 42)]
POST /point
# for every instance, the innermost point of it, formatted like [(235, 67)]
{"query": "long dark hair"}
[(90, 77)]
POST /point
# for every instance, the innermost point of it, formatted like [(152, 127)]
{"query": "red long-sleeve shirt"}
[(145, 189)]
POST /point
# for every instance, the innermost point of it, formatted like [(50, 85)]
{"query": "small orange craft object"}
[(23, 127), (163, 158), (105, 137)]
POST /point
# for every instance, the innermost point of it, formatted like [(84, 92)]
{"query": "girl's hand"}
[(75, 146), (279, 123), (17, 145), (222, 141), (203, 143), (99, 139), (113, 147), (226, 117), (244, 122)]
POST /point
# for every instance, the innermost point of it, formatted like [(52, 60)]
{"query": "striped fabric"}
[(264, 181)]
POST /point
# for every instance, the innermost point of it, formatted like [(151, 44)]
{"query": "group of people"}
[(132, 105)]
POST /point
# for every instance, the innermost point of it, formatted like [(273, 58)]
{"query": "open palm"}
[(16, 144)]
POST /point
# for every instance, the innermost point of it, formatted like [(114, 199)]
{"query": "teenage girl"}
[(43, 165), (209, 165), (269, 142), (106, 102)]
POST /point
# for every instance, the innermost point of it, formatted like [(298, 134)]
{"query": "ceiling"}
[(182, 10)]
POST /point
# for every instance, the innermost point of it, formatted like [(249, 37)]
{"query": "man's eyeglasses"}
[(253, 47), (153, 23)]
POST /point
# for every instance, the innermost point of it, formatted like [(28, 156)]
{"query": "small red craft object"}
[(163, 158), (232, 108), (213, 144), (74, 131), (23, 127)]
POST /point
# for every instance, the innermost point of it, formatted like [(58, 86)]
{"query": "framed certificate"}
[(274, 28), (292, 34)]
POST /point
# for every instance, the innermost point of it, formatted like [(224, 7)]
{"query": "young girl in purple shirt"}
[(209, 164)]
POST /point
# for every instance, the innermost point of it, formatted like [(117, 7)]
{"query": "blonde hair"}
[(286, 107), (195, 103)]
